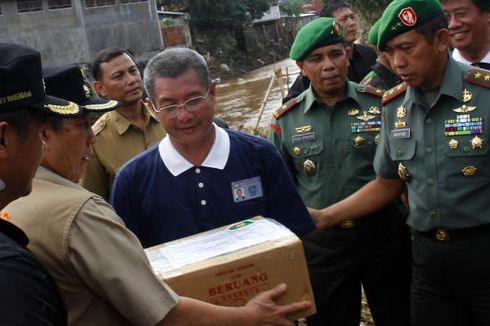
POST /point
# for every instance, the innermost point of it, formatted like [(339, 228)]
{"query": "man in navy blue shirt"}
[(200, 176)]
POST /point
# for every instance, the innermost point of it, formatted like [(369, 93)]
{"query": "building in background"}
[(67, 31)]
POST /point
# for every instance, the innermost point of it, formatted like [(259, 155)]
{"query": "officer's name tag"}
[(246, 189), (303, 138), (401, 133)]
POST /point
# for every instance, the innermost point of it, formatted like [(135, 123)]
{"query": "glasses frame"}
[(185, 105)]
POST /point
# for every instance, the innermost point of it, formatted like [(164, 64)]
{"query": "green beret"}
[(317, 33), (373, 33), (404, 15)]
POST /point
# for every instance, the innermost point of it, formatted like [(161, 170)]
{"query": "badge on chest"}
[(246, 189)]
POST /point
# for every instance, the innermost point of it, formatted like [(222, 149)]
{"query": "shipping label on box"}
[(230, 265)]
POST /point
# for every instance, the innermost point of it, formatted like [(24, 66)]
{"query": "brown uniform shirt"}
[(99, 265), (117, 142)]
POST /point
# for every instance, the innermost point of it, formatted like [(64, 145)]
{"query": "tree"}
[(292, 7)]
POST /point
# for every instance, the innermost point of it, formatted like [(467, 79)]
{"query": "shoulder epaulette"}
[(394, 92), (370, 90), (287, 106), (479, 77), (100, 124)]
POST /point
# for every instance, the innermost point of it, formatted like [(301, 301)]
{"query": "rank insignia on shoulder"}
[(479, 77), (394, 92), (286, 107), (371, 90)]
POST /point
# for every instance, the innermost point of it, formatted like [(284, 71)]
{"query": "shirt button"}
[(430, 181), (428, 121), (429, 150), (399, 152), (198, 170), (466, 148), (433, 215), (203, 202), (200, 185)]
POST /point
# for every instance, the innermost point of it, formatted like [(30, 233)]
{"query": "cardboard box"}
[(230, 265)]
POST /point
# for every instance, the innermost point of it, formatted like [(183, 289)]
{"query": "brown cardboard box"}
[(230, 265)]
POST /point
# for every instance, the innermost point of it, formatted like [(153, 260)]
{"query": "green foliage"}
[(292, 7), (226, 13)]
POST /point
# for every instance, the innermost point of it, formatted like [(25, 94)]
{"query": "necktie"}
[(483, 65)]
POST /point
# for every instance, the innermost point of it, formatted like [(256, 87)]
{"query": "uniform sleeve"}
[(28, 295), (95, 179), (383, 164), (284, 202), (111, 261), (274, 136)]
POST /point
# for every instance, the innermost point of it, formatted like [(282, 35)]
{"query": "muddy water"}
[(240, 99)]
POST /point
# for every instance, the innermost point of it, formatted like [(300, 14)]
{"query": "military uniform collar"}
[(216, 158), (122, 124), (310, 97), (452, 84), (46, 174)]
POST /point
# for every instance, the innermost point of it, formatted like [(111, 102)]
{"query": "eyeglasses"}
[(191, 105)]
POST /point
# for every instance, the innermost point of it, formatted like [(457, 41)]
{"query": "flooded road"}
[(240, 98)]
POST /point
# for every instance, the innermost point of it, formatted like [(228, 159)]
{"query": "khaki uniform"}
[(329, 151), (117, 142), (100, 267)]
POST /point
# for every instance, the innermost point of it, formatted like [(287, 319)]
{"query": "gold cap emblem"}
[(309, 167)]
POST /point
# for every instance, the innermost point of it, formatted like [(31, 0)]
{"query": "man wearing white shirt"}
[(188, 183), (469, 27)]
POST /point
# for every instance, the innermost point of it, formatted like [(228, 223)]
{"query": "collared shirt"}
[(161, 202), (117, 142), (458, 57), (99, 265), (28, 294), (444, 149), (338, 141)]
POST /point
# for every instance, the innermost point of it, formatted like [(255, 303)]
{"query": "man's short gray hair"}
[(171, 63)]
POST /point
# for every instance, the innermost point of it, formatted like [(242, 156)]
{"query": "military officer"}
[(381, 75), (328, 136), (434, 140)]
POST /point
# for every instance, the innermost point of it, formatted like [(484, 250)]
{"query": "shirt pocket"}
[(403, 151), (464, 161), (306, 151)]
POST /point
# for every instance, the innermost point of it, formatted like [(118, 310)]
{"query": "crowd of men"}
[(378, 160)]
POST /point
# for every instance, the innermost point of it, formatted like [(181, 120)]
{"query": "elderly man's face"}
[(68, 148), (467, 24), (187, 125), (348, 19)]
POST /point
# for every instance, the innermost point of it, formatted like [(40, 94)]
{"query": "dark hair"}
[(107, 55), (483, 5), (54, 121), (21, 119), (429, 29), (332, 6)]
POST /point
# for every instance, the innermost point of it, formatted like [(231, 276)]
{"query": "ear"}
[(300, 65), (99, 88), (441, 39), (4, 135)]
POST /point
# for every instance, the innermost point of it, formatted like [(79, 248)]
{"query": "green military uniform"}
[(380, 77), (448, 160), (331, 146), (437, 142), (329, 151), (117, 142)]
